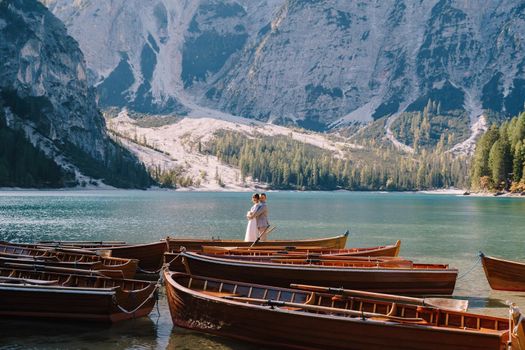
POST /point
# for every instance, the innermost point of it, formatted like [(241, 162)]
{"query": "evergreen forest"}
[(499, 160), (23, 165), (284, 163)]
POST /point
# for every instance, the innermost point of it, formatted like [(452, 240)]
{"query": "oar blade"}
[(448, 304)]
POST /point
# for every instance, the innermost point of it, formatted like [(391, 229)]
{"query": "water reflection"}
[(21, 334), (182, 339)]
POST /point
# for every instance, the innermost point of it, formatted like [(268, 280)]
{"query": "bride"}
[(251, 230)]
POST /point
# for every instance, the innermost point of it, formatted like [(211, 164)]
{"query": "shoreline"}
[(461, 193), (449, 192)]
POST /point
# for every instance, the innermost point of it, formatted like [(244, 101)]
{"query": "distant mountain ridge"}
[(317, 64), (45, 94)]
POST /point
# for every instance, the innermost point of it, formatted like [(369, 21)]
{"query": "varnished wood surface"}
[(192, 244), (124, 268), (149, 255), (425, 279), (504, 274), (76, 297), (379, 251), (201, 305)]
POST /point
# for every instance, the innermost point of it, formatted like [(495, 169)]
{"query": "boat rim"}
[(258, 264), (168, 277)]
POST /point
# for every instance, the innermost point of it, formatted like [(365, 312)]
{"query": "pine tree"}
[(499, 163), (519, 161), (480, 166)]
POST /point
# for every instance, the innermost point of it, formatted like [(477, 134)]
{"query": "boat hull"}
[(381, 251), (57, 257), (149, 255), (175, 244), (37, 294), (289, 329), (392, 251), (504, 274), (383, 280)]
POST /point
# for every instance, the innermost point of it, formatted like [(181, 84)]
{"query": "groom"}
[(261, 216)]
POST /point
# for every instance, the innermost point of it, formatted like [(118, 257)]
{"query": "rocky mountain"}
[(318, 64), (45, 94)]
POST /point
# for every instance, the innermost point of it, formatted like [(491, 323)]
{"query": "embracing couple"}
[(257, 219)]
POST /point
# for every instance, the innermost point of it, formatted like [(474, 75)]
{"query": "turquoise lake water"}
[(433, 228)]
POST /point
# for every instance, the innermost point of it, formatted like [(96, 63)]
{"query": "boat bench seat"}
[(488, 330), (218, 294)]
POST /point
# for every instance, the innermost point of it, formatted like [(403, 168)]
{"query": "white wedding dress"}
[(251, 230)]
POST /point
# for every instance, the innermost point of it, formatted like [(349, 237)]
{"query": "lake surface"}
[(432, 228)]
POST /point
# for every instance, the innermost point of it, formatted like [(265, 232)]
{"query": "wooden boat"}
[(307, 319), (195, 244), (387, 250), (417, 279), (60, 248), (504, 274), (149, 255), (58, 269), (124, 267), (42, 294), (83, 268), (338, 261)]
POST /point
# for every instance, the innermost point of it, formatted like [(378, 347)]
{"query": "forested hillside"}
[(288, 164), (23, 165), (425, 129), (499, 160)]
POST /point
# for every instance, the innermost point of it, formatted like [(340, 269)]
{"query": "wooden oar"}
[(442, 303), (399, 264), (83, 242), (326, 309), (266, 231), (79, 251), (66, 264), (30, 257), (27, 281), (37, 267)]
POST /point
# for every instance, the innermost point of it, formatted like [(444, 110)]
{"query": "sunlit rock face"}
[(43, 79), (46, 94), (311, 63)]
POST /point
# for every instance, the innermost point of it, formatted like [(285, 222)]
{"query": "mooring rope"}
[(159, 269), (146, 272), (153, 294), (470, 269), (172, 260)]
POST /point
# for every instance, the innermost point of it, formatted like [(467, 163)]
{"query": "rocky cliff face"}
[(315, 63), (44, 90)]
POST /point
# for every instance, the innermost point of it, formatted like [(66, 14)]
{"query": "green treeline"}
[(120, 168), (499, 159), (23, 165), (172, 178), (284, 163), (425, 130)]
